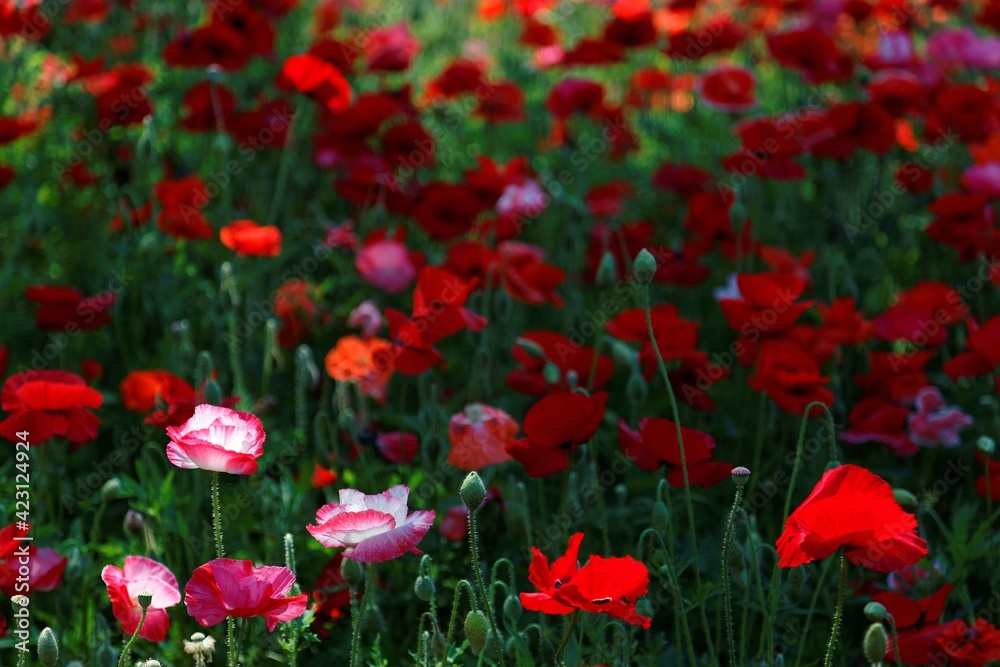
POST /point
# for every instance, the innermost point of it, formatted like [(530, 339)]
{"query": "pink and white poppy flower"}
[(124, 585), (217, 439), (373, 528), (227, 587)]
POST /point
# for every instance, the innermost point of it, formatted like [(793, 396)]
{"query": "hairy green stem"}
[(122, 661), (356, 639), (565, 640), (725, 576), (473, 538), (838, 613)]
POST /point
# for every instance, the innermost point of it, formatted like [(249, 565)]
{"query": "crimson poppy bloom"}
[(48, 404), (322, 477), (214, 44), (982, 354), (208, 107), (218, 439), (537, 350), (728, 88), (246, 237), (479, 436), (974, 646), (226, 587), (65, 308), (921, 315), (655, 444), (789, 377), (374, 528), (390, 49), (853, 508), (895, 377), (875, 419), (295, 307), (124, 586), (608, 585), (318, 79), (812, 52), (988, 484), (916, 624), (397, 446), (140, 390), (554, 427), (181, 201)]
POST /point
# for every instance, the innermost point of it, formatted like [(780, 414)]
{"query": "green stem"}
[(684, 468), (454, 607), (473, 538), (283, 166), (675, 590), (602, 513), (895, 641), (725, 576), (239, 644), (95, 531), (128, 647), (838, 614), (356, 641), (812, 608), (220, 552), (565, 640)]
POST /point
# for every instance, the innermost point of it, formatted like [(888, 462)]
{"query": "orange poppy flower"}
[(368, 362)]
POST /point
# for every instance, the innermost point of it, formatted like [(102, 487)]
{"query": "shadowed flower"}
[(225, 587), (217, 439), (48, 404), (124, 585), (974, 646), (554, 427), (373, 528), (479, 435), (853, 508), (935, 422)]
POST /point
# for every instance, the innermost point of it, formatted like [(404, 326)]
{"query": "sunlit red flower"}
[(373, 528), (318, 79), (218, 439), (368, 362), (226, 587), (47, 404), (853, 508), (554, 427), (124, 585), (247, 237), (479, 436)]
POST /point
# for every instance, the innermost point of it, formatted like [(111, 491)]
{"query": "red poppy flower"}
[(719, 34), (322, 477), (916, 624), (445, 210), (728, 88), (982, 355), (125, 584), (397, 446), (479, 436), (843, 323), (225, 587), (965, 222), (121, 95), (462, 76), (318, 79), (602, 585), (847, 127), (655, 444), (181, 201), (914, 178), (853, 508), (140, 390), (246, 237), (45, 570), (974, 646), (789, 377), (502, 103), (553, 427), (12, 129), (537, 350), (455, 524), (895, 377), (921, 314), (812, 52), (253, 26), (48, 404), (874, 419), (574, 96), (709, 223), (964, 110), (207, 106), (66, 309), (331, 595), (213, 44), (385, 262), (390, 49), (767, 304)]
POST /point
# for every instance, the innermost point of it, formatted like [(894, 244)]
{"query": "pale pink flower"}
[(386, 264), (367, 317), (935, 422), (217, 439), (526, 198), (124, 585), (374, 528)]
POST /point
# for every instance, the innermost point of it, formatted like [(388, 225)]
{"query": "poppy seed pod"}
[(876, 643), (740, 476), (145, 598), (48, 648), (134, 523), (476, 628), (473, 492), (644, 267)]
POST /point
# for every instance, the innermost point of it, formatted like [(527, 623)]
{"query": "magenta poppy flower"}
[(373, 528), (226, 587), (386, 264), (935, 422), (217, 439), (124, 585)]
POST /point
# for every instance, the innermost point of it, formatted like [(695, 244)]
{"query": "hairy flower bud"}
[(135, 524), (661, 517), (424, 588), (476, 628), (607, 271), (473, 492), (905, 498), (352, 573), (112, 490), (876, 643), (48, 648), (876, 612), (644, 267), (512, 608)]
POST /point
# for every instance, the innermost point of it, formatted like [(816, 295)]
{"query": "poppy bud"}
[(112, 490), (876, 643), (607, 271), (473, 492), (635, 388), (740, 476), (439, 646), (621, 493), (661, 517), (905, 498), (152, 663), (512, 608), (986, 445), (145, 599), (623, 353), (424, 588), (834, 463), (352, 573), (48, 648), (551, 373), (876, 612), (134, 523), (572, 379), (531, 347), (476, 627), (644, 267), (213, 393), (491, 645)]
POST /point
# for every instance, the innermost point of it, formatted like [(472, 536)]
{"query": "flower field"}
[(584, 333)]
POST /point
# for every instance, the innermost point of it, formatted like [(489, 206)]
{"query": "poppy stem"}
[(566, 637), (128, 647), (220, 552), (838, 614), (454, 607), (725, 576), (356, 640), (684, 468), (473, 539), (895, 640)]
